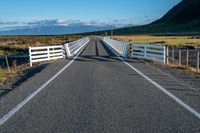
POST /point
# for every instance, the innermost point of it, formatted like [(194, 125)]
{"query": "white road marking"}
[(26, 100), (172, 96)]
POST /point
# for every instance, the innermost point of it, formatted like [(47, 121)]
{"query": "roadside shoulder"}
[(29, 83)]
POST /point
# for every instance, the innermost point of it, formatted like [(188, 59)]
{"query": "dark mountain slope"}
[(182, 19), (185, 11)]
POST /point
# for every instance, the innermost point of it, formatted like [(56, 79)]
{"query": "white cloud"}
[(122, 22)]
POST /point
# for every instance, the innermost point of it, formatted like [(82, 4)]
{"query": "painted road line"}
[(172, 96), (26, 100)]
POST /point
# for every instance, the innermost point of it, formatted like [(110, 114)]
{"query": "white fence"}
[(148, 52), (47, 53), (120, 48), (140, 51), (74, 47), (38, 54)]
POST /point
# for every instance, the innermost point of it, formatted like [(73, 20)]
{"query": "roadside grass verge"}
[(5, 75), (20, 44), (16, 72), (170, 41), (177, 42), (185, 68)]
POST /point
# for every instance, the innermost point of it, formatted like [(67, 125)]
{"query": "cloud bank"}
[(58, 22)]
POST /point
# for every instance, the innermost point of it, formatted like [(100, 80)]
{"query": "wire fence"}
[(18, 60), (185, 57)]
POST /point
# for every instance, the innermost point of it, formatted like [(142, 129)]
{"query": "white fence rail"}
[(120, 48), (140, 51), (47, 53), (74, 47), (148, 52)]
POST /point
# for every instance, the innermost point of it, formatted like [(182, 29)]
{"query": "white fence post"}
[(30, 57), (69, 55), (125, 50), (145, 52), (48, 53), (164, 55)]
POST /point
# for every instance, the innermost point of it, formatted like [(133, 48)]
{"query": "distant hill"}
[(182, 19)]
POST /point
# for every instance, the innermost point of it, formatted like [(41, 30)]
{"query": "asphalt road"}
[(98, 93)]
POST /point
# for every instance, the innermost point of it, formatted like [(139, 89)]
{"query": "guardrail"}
[(74, 47), (140, 51), (148, 52), (47, 53), (120, 48)]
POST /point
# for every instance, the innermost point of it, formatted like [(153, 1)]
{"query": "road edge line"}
[(14, 110), (169, 94), (166, 92)]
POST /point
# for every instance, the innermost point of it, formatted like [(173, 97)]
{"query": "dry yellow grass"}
[(5, 75), (171, 41), (20, 44)]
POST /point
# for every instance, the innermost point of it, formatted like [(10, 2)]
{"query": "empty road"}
[(98, 93)]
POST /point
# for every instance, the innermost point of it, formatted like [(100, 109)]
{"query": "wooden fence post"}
[(173, 54), (198, 61), (167, 55), (180, 57), (187, 59), (6, 57)]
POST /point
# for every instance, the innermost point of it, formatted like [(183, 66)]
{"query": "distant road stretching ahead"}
[(98, 93)]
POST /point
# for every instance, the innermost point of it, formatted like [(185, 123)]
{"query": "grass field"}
[(171, 41), (20, 44)]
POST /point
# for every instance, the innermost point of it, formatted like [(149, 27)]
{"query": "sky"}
[(117, 12)]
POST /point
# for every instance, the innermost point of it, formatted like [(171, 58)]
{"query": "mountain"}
[(182, 19), (185, 11)]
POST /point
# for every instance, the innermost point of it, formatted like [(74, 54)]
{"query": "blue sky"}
[(117, 12)]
